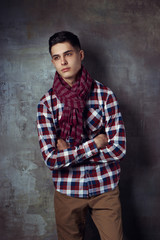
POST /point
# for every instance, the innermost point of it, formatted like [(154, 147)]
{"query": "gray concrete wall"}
[(121, 40)]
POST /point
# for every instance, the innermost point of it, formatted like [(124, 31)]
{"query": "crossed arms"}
[(100, 141)]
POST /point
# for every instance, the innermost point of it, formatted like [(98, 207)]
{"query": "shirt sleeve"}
[(115, 149), (54, 158)]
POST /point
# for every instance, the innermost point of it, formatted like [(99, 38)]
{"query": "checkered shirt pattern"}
[(83, 171)]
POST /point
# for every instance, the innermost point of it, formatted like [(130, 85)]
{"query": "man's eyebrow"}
[(68, 51)]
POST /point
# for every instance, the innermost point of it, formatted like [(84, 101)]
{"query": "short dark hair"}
[(64, 36)]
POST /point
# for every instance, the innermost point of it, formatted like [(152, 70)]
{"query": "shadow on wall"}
[(135, 162), (131, 165), (94, 62)]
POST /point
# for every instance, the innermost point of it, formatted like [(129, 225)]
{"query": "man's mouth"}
[(65, 69)]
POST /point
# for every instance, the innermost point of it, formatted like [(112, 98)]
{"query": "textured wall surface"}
[(121, 41)]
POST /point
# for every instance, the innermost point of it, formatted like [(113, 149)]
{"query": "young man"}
[(82, 140)]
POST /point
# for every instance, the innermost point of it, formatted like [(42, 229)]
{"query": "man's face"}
[(67, 61)]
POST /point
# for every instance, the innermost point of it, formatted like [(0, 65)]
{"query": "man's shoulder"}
[(48, 98), (101, 88)]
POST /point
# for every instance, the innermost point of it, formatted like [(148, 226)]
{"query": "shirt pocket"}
[(94, 119)]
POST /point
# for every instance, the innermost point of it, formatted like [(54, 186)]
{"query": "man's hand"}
[(101, 141), (62, 145)]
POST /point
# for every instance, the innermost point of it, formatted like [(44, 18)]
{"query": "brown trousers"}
[(71, 212)]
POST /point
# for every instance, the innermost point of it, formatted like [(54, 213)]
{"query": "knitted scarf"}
[(74, 99)]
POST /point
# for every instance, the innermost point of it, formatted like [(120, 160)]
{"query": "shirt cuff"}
[(90, 148)]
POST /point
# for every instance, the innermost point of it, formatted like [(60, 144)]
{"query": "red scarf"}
[(74, 99)]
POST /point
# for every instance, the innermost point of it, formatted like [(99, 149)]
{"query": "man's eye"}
[(68, 54), (55, 58)]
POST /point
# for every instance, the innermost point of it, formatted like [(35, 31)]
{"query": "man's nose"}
[(63, 60)]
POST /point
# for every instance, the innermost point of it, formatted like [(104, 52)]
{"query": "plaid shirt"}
[(83, 171)]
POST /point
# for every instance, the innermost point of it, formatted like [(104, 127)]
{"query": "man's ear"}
[(81, 54)]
